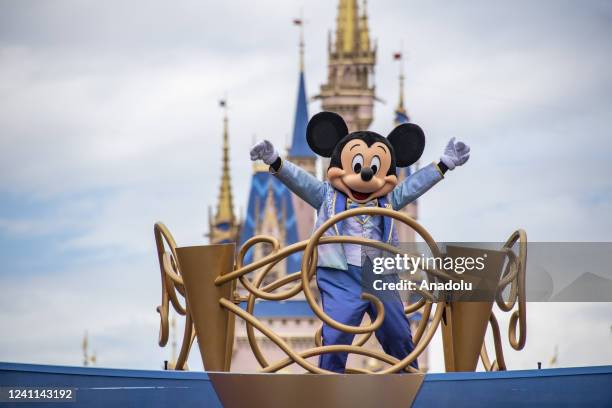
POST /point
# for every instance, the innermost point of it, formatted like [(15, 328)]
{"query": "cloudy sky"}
[(109, 122)]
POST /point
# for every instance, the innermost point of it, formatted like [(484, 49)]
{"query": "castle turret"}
[(299, 152), (405, 233), (349, 90), (223, 226), (401, 115)]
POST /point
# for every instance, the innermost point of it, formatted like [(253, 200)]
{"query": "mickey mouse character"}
[(362, 172)]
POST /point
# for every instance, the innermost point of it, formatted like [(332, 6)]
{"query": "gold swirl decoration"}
[(435, 313), (172, 289), (514, 275)]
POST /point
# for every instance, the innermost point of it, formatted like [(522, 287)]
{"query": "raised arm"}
[(301, 182), (415, 185)]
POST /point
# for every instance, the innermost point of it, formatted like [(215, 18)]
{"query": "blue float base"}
[(104, 387)]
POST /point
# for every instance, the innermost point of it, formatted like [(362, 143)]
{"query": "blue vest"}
[(332, 255)]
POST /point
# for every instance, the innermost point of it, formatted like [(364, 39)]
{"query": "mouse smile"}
[(360, 196)]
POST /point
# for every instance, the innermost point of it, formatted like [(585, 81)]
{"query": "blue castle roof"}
[(401, 117), (260, 185), (299, 146), (263, 181)]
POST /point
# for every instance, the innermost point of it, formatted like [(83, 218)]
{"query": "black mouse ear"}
[(324, 131), (408, 141)]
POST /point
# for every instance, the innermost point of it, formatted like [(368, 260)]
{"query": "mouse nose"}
[(366, 174)]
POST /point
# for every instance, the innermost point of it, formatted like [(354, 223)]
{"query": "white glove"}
[(264, 151), (455, 154)]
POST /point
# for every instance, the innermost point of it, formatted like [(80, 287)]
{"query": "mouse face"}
[(363, 165)]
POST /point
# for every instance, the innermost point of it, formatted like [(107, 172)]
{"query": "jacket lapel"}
[(387, 221), (339, 206)]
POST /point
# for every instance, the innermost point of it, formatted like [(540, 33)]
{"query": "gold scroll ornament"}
[(210, 276)]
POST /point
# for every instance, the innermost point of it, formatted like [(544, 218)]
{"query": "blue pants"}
[(341, 298)]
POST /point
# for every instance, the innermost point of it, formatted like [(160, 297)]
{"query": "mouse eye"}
[(375, 165), (357, 163)]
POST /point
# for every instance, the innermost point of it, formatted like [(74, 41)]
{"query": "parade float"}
[(200, 283)]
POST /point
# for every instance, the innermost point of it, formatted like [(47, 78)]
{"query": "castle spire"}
[(300, 23), (364, 31), (299, 147), (350, 90), (401, 115), (224, 227), (405, 233), (299, 152), (347, 31), (225, 206)]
